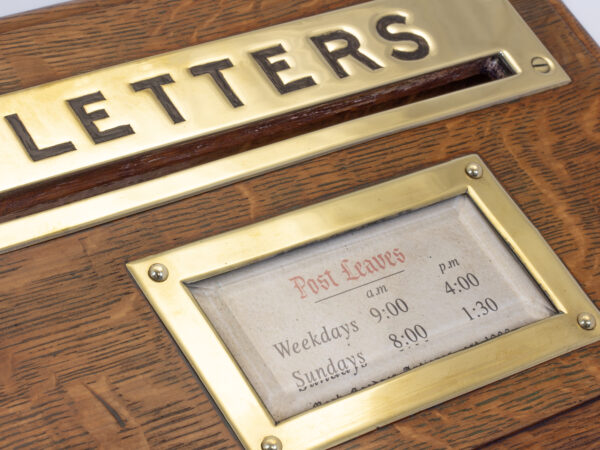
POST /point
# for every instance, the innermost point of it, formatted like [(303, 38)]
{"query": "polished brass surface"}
[(158, 272), (404, 394), (586, 321), (474, 170), (271, 443), (456, 31)]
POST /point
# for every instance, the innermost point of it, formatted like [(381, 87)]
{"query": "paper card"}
[(323, 321)]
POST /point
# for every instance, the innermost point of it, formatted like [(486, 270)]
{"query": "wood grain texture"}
[(576, 27), (56, 12), (564, 431), (87, 363)]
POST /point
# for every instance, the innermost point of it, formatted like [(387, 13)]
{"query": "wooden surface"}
[(85, 361), (566, 430)]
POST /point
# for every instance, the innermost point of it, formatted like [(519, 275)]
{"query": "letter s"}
[(399, 255), (361, 359), (302, 385), (422, 49)]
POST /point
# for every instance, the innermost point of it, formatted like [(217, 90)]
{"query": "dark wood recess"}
[(86, 363)]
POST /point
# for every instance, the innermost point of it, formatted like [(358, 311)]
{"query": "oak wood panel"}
[(564, 431), (576, 27), (87, 363), (53, 13)]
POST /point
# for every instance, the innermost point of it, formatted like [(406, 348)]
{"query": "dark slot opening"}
[(164, 161)]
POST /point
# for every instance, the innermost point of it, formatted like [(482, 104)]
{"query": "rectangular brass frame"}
[(407, 393), (459, 31)]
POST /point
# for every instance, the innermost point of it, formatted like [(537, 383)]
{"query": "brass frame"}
[(467, 29), (404, 394)]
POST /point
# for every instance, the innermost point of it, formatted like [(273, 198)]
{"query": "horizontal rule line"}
[(358, 287)]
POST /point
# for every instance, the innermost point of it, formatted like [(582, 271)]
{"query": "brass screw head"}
[(158, 272), (271, 443), (586, 321), (474, 170), (541, 65)]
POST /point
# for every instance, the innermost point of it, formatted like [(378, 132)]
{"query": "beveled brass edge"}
[(405, 394)]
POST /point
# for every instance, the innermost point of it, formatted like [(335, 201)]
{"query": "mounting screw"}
[(474, 170), (158, 272), (271, 443), (541, 65), (586, 321)]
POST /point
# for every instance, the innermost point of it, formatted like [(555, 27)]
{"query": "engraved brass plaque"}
[(94, 118), (61, 127), (266, 313)]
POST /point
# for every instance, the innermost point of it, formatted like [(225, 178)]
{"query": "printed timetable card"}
[(326, 320)]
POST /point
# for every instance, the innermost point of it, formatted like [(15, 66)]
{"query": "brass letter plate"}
[(326, 322), (92, 119)]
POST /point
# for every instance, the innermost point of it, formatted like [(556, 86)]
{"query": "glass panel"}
[(328, 319)]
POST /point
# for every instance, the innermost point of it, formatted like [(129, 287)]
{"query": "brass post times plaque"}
[(326, 322), (329, 319)]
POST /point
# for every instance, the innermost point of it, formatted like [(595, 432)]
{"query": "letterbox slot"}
[(150, 165)]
